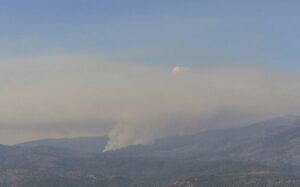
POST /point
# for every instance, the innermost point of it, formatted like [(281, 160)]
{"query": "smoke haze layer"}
[(133, 103)]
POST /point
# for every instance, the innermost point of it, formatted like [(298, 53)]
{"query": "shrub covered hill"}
[(262, 154)]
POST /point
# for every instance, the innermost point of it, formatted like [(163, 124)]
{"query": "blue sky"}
[(170, 31)]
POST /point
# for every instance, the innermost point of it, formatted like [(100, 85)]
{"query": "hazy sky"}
[(139, 70)]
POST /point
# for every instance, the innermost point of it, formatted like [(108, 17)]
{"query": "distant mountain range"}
[(93, 144), (272, 142), (262, 154)]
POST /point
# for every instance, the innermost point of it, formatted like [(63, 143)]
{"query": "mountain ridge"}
[(262, 154)]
